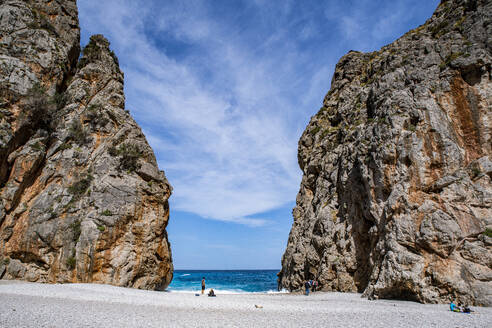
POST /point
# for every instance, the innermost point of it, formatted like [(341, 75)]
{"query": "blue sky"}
[(223, 91)]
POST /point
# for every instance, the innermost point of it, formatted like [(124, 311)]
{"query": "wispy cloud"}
[(216, 116), (223, 91)]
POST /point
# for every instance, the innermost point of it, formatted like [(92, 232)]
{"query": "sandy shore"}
[(91, 305)]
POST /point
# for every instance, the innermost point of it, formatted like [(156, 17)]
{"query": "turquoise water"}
[(233, 281)]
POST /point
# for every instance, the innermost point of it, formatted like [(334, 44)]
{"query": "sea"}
[(225, 281)]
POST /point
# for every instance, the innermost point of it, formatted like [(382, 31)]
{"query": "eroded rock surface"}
[(81, 195), (396, 196)]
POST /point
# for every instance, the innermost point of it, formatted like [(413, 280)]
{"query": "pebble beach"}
[(25, 304)]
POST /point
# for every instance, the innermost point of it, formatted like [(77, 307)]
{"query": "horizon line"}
[(227, 269)]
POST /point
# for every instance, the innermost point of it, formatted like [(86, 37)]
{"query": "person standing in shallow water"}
[(203, 285), (307, 285)]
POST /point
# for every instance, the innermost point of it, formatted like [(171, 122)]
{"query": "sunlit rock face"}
[(396, 196), (81, 195)]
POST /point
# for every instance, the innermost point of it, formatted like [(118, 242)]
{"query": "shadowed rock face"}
[(396, 196), (81, 195)]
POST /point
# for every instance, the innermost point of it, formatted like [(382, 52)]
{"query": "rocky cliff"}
[(81, 195), (396, 196)]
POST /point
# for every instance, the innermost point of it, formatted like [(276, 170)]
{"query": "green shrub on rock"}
[(37, 107), (60, 100), (79, 187), (77, 133), (96, 117), (129, 155), (71, 261), (65, 145), (107, 213), (37, 146), (76, 230)]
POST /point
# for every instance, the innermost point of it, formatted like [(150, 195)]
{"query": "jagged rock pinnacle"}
[(81, 196)]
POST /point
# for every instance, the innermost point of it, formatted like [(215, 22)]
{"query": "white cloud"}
[(351, 27), (227, 147), (224, 116)]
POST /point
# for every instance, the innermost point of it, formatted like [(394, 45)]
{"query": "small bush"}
[(475, 172), (37, 107), (458, 26), (37, 146), (439, 29), (76, 230), (65, 145), (94, 107), (80, 187), (106, 213), (447, 61), (60, 100), (113, 151), (488, 232), (71, 261), (6, 261), (101, 228), (96, 116), (129, 156), (77, 133)]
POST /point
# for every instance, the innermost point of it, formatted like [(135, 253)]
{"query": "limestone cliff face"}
[(396, 196), (81, 195)]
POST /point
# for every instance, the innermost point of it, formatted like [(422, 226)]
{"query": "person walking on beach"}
[(314, 285), (203, 285), (307, 285)]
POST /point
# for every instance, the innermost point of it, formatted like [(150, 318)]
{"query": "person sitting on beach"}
[(211, 293), (453, 307)]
